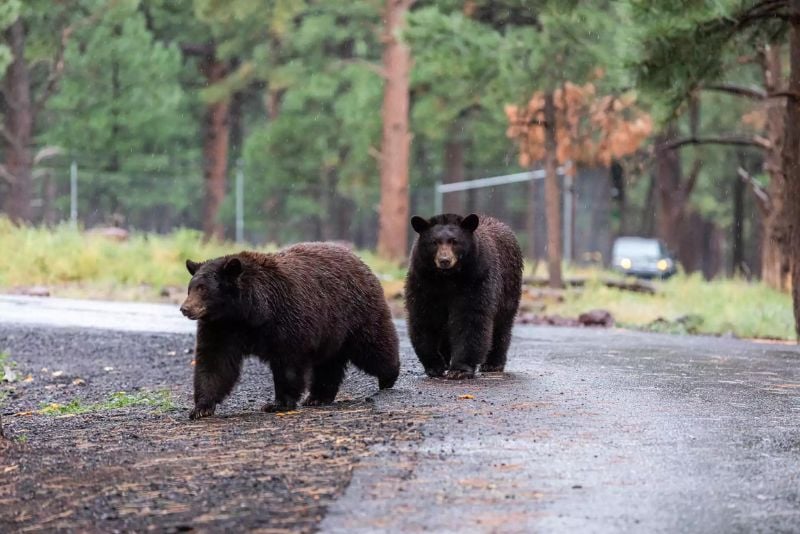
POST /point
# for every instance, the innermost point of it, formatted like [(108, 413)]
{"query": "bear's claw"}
[(201, 411), (272, 407), (492, 368), (313, 401), (458, 374), (434, 372)]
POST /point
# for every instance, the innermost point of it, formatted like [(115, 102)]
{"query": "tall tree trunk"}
[(453, 167), (552, 193), (215, 151), (667, 180), (395, 146), (19, 117), (775, 253), (791, 156)]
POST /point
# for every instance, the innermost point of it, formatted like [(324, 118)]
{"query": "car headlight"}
[(625, 263), (663, 265)]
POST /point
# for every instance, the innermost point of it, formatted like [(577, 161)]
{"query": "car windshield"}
[(639, 248)]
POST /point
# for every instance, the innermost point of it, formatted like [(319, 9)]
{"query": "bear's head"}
[(445, 240), (212, 288)]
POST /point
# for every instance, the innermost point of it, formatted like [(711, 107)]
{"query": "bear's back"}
[(500, 239), (328, 279)]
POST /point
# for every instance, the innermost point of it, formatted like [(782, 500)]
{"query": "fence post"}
[(239, 202), (73, 194)]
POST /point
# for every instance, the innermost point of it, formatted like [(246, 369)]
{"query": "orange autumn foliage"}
[(590, 129)]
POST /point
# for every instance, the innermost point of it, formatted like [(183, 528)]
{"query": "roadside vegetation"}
[(160, 400), (67, 262), (687, 304)]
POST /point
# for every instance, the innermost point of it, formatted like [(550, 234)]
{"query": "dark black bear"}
[(308, 309), (462, 292)]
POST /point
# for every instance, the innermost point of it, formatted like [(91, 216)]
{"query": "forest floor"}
[(587, 430)]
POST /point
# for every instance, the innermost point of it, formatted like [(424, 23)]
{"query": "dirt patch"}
[(142, 467)]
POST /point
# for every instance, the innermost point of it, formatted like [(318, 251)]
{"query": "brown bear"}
[(463, 289), (308, 309)]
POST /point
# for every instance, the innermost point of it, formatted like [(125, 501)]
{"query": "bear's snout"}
[(191, 309), (445, 257)]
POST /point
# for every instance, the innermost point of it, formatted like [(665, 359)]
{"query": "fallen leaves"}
[(290, 412), (466, 397)]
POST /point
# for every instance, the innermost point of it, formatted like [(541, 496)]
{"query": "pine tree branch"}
[(57, 69), (754, 93), (750, 92), (732, 140), (763, 200), (768, 9)]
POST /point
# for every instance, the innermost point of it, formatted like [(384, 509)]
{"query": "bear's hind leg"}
[(501, 339), (375, 350), (290, 382), (326, 378)]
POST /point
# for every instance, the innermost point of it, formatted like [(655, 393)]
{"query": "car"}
[(642, 257)]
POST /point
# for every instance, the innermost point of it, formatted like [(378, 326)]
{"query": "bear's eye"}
[(451, 241), (200, 287)]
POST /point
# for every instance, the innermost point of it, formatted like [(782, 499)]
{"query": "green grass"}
[(689, 304), (73, 263), (161, 400), (64, 255)]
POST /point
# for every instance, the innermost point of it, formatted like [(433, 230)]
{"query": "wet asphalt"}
[(596, 431), (588, 431)]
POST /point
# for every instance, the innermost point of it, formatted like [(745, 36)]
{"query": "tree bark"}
[(552, 194), (396, 141), (791, 156), (19, 117), (215, 150), (671, 200), (775, 253)]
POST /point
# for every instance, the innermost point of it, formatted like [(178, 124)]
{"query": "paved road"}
[(589, 431), (119, 316)]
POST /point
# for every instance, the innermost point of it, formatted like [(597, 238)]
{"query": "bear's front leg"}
[(218, 362), (290, 383), (470, 335), (426, 340)]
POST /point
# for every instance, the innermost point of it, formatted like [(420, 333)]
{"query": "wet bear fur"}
[(307, 311), (462, 293)]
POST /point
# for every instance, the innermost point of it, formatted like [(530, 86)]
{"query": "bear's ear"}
[(232, 267), (470, 222), (419, 224), (192, 266)]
